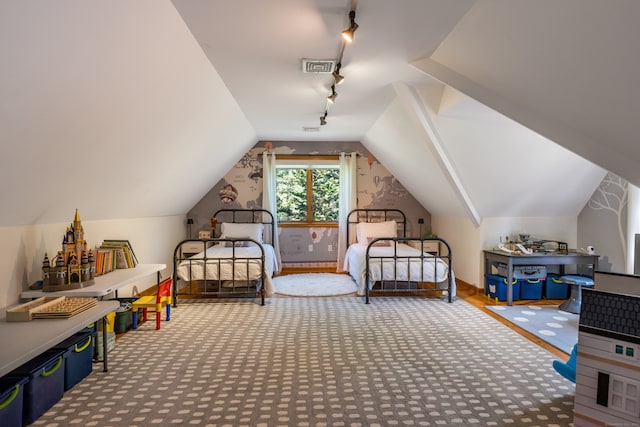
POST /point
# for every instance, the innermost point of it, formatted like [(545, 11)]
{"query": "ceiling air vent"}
[(322, 66), (311, 128)]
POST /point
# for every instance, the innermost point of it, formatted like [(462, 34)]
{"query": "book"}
[(123, 243)]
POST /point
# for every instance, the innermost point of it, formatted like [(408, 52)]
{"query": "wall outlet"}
[(310, 248), (330, 248)]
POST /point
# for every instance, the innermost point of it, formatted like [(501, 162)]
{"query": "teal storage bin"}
[(45, 386), (531, 289), (78, 353), (496, 287), (12, 400), (555, 287)]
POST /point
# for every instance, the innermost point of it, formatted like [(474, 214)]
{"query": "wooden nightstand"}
[(192, 248), (431, 246)]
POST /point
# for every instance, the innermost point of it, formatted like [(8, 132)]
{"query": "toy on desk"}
[(515, 248), (74, 266)]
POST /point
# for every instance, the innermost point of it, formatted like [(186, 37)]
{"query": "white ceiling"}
[(137, 109)]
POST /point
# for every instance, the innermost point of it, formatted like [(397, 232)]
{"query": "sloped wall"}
[(377, 188)]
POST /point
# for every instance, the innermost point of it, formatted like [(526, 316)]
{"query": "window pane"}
[(326, 190), (291, 194)]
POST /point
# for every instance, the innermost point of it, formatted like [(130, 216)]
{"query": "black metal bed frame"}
[(395, 285), (225, 287)]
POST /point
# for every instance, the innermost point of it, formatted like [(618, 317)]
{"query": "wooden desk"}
[(22, 341), (105, 284), (511, 260)]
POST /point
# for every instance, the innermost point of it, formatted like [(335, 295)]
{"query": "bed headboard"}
[(375, 215), (253, 216)]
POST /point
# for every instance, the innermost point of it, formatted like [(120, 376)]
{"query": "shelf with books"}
[(114, 254)]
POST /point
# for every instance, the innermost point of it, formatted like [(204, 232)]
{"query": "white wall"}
[(23, 248), (464, 239), (467, 242)]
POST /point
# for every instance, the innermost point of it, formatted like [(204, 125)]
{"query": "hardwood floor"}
[(476, 297)]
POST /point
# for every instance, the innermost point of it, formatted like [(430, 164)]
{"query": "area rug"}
[(314, 284), (547, 322), (403, 362)]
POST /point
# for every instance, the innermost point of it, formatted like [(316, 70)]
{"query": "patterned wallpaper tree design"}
[(612, 196)]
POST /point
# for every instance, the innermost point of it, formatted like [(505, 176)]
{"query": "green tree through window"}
[(307, 195)]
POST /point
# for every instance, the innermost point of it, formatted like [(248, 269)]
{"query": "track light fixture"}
[(331, 98), (348, 33), (337, 78)]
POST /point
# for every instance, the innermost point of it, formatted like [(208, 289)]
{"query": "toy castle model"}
[(74, 266)]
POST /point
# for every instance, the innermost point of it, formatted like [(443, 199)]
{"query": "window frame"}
[(308, 162)]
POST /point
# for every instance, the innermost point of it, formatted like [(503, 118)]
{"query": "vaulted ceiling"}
[(480, 108)]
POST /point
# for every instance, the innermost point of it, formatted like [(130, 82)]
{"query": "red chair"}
[(154, 302)]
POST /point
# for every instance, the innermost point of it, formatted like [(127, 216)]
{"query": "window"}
[(307, 191)]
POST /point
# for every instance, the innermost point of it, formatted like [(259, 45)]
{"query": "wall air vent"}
[(318, 66)]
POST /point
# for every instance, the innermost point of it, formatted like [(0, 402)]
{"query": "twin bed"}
[(380, 257), (240, 262)]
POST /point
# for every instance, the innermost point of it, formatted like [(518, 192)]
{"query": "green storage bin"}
[(123, 320)]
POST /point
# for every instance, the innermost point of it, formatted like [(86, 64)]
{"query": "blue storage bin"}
[(531, 289), (45, 386), (496, 287), (555, 287), (78, 357), (12, 400)]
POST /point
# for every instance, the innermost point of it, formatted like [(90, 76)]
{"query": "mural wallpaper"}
[(241, 187), (603, 223)]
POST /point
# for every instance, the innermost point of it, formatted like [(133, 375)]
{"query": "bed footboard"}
[(224, 267), (414, 264)]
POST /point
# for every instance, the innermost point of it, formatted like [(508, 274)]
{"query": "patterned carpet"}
[(400, 361)]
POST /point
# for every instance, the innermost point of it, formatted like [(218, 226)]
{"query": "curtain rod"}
[(299, 156)]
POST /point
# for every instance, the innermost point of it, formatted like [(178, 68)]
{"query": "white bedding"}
[(194, 268), (435, 269)]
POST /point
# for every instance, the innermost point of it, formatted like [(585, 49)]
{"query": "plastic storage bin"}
[(523, 271), (123, 319), (555, 287), (12, 400), (496, 287), (111, 320), (78, 357), (531, 289), (111, 343), (45, 386)]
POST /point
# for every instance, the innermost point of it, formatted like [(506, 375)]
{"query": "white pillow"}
[(242, 230), (364, 230)]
